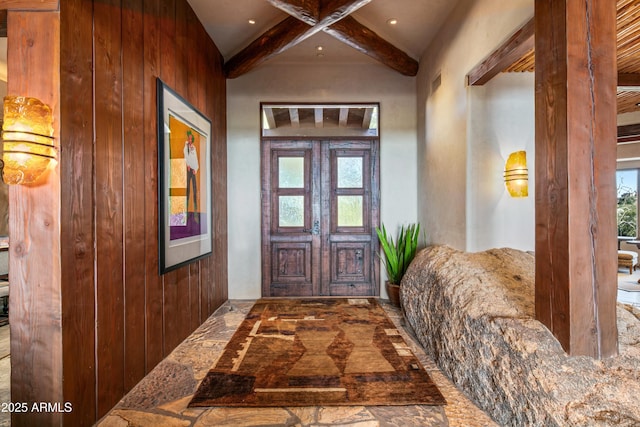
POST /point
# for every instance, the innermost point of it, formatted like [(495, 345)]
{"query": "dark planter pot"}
[(394, 293)]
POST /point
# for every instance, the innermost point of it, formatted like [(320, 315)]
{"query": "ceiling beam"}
[(270, 118), (49, 5), (276, 40), (628, 79), (294, 116), (628, 131), (319, 117), (511, 50), (366, 120), (3, 23), (344, 117), (305, 10), (364, 40), (332, 17)]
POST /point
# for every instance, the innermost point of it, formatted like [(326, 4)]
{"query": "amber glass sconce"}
[(28, 144), (516, 174)]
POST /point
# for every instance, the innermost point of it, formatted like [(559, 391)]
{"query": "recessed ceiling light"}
[(319, 48), (638, 104), (392, 21), (252, 21)]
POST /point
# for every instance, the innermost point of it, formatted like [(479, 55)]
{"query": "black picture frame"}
[(184, 181)]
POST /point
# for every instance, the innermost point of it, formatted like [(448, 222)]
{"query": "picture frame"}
[(184, 181)]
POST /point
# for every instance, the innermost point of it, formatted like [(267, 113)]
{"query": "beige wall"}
[(472, 31), (501, 121), (364, 82)]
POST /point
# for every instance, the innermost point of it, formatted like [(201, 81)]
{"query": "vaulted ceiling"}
[(349, 31)]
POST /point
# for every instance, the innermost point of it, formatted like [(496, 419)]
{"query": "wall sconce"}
[(27, 135), (516, 174)]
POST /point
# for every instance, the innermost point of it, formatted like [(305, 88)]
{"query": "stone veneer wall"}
[(474, 314)]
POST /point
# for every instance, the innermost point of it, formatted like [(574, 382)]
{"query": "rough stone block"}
[(474, 315)]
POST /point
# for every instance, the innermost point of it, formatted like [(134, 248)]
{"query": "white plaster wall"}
[(316, 83), (501, 121), (471, 32)]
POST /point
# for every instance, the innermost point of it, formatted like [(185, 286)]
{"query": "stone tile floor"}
[(161, 398)]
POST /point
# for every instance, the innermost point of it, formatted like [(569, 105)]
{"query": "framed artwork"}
[(184, 181)]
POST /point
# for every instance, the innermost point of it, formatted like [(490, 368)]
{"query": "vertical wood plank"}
[(217, 97), (76, 172), (153, 281), (34, 226), (109, 203), (575, 173), (134, 194)]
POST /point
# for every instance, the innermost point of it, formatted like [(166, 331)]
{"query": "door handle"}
[(315, 230)]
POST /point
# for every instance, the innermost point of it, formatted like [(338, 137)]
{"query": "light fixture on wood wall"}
[(28, 144), (516, 174)]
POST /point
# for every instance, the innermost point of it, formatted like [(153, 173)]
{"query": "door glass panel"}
[(350, 172), (291, 172), (350, 213), (291, 211)]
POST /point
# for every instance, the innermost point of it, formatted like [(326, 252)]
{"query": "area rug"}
[(317, 352)]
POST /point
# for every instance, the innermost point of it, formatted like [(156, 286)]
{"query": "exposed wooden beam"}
[(361, 38), (3, 23), (628, 79), (269, 117), (366, 120), (294, 116), (628, 131), (319, 117), (31, 4), (276, 40), (335, 10), (289, 32), (305, 10), (510, 51), (343, 118)]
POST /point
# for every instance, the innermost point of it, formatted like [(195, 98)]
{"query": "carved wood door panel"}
[(320, 206)]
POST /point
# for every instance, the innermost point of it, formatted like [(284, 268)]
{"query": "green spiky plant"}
[(399, 254)]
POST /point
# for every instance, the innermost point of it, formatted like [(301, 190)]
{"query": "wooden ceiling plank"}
[(521, 42), (294, 115), (364, 40), (344, 116), (289, 32)]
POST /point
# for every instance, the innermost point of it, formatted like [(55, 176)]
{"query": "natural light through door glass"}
[(291, 172), (350, 211), (291, 211), (350, 172)]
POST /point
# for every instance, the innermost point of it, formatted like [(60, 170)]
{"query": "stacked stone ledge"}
[(474, 315)]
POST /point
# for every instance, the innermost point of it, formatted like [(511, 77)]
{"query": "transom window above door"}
[(310, 120)]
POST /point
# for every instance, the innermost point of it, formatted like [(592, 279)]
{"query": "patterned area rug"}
[(317, 352)]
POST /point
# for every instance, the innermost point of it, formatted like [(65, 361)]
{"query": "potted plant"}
[(397, 256)]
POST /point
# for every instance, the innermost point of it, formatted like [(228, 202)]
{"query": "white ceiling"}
[(226, 21)]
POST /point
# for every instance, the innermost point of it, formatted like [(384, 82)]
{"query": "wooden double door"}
[(320, 207)]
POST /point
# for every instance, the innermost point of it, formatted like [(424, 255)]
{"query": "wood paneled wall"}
[(119, 316)]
